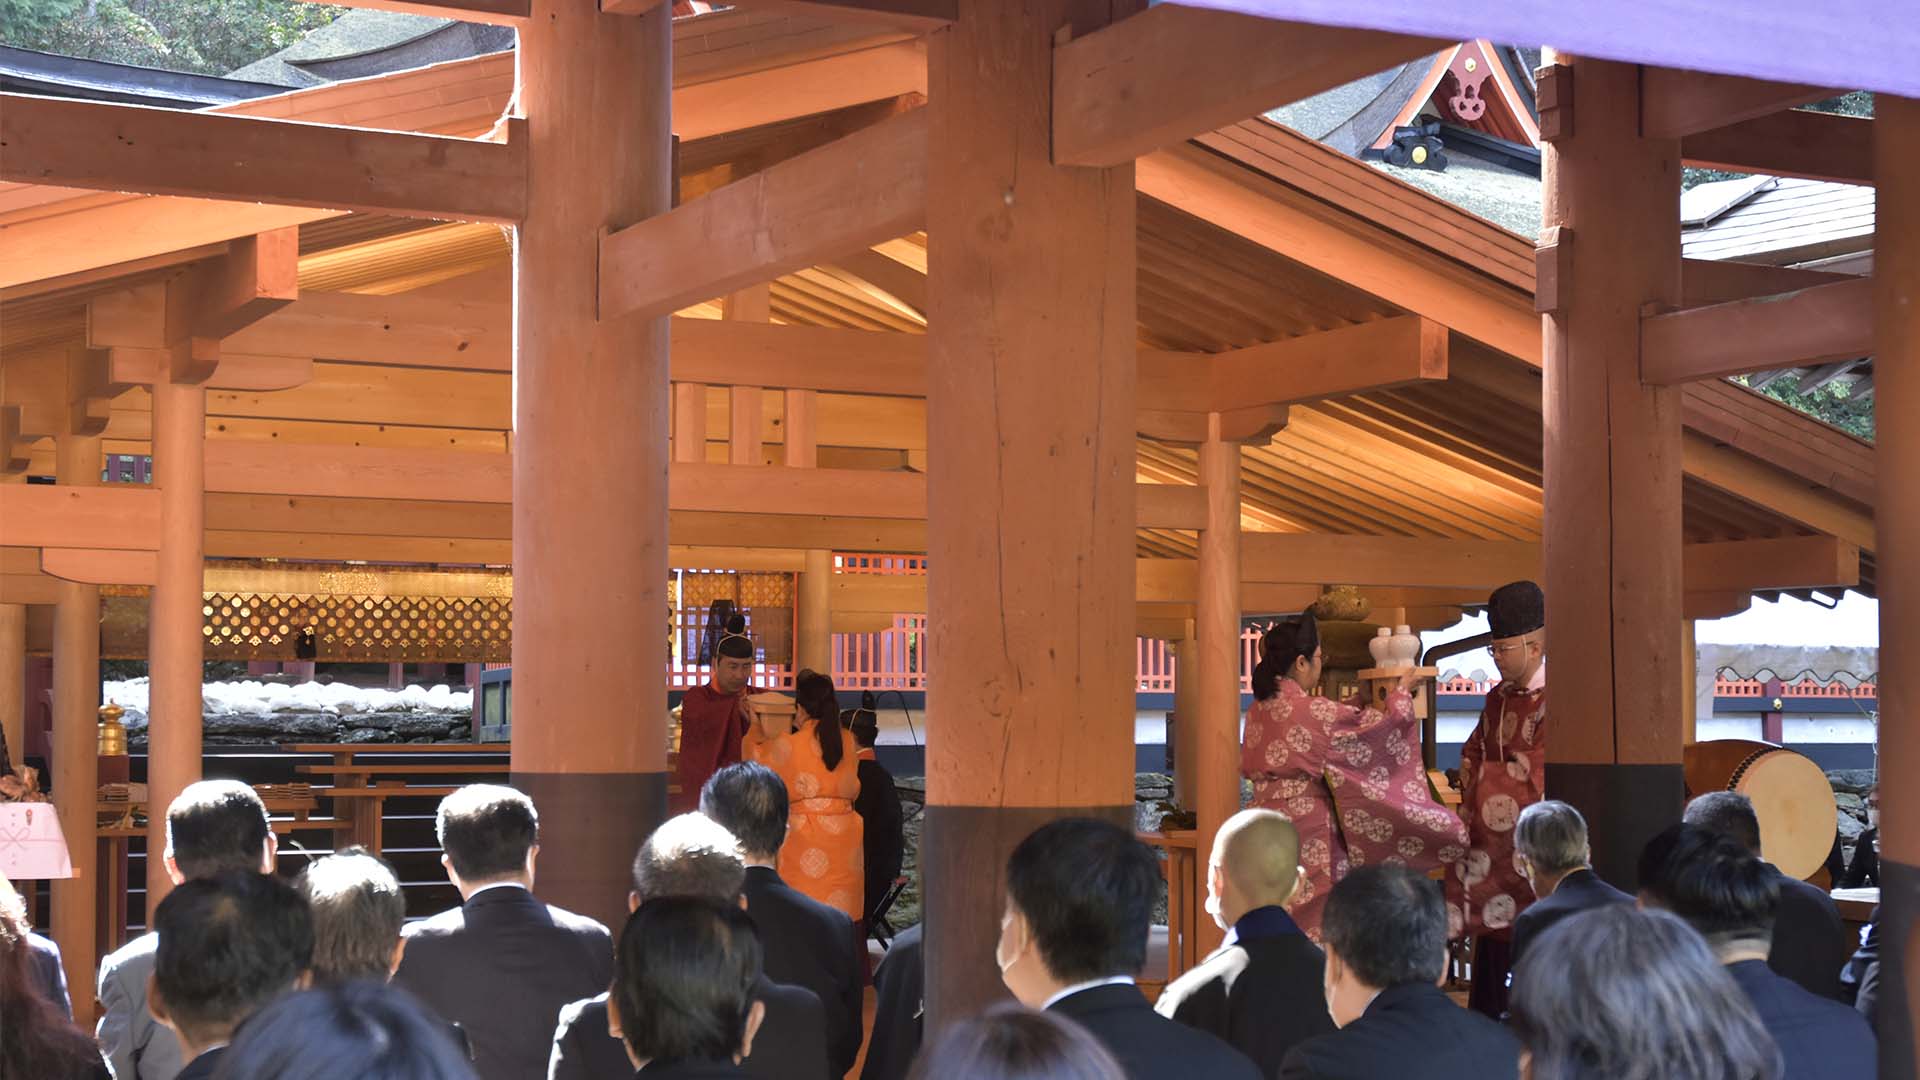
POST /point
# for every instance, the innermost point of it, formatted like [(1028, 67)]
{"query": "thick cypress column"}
[(176, 646), (76, 774)]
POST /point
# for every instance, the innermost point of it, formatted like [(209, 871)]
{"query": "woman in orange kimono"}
[(824, 855)]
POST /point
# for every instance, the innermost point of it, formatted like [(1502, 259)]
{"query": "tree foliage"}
[(207, 37), (1831, 403)]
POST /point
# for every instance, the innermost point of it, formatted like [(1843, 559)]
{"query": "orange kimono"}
[(825, 852)]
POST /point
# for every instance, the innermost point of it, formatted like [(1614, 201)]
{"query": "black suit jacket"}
[(1819, 1038), (884, 824), (1147, 1045), (1410, 1030), (1810, 942), (49, 971), (1262, 993), (1579, 891), (688, 1070), (501, 966), (791, 1045), (806, 943), (900, 992), (202, 1067)]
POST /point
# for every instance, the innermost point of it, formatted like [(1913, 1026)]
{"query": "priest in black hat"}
[(1503, 768)]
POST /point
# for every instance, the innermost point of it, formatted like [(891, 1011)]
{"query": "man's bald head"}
[(1259, 850)]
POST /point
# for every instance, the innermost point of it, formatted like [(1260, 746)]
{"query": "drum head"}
[(1794, 802)]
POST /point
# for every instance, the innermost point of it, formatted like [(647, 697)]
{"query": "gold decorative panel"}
[(254, 626)]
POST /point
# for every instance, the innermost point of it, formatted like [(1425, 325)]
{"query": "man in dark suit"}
[(1262, 989), (1810, 940), (881, 818), (227, 946), (690, 855), (900, 1006), (49, 972), (212, 827), (1731, 897), (806, 943), (1385, 930), (502, 963), (1551, 841), (1080, 894)]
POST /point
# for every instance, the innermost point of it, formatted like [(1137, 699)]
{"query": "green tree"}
[(1832, 404), (207, 37)]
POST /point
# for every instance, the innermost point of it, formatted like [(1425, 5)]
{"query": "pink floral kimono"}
[(1354, 785)]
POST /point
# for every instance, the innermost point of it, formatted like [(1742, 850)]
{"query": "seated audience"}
[(882, 822), (358, 912), (1550, 845), (1012, 1042), (1810, 941), (1385, 930), (1860, 983), (44, 966), (805, 942), (37, 1039), (683, 989), (212, 827), (1863, 870), (900, 1005), (817, 759), (228, 946), (1262, 990), (358, 1029), (689, 855), (1730, 897), (501, 964), (1080, 894), (1616, 993)]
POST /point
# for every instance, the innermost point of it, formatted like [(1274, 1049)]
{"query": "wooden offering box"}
[(1377, 683)]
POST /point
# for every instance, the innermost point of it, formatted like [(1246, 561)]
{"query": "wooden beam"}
[(867, 187), (1386, 560), (1782, 493), (358, 472), (1818, 146), (495, 12), (1796, 562), (1377, 355), (794, 357), (1170, 72), (1676, 103), (99, 566), (143, 367), (1170, 506), (919, 16), (258, 276), (1255, 425), (811, 530), (1716, 281), (57, 515), (412, 331), (329, 547), (1824, 322), (111, 147)]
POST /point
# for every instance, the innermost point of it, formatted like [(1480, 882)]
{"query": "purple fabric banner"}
[(1862, 45)]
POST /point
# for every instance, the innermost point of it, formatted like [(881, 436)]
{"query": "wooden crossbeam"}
[(1825, 322), (258, 276), (919, 16), (1376, 355), (402, 330), (1170, 72), (100, 566), (54, 515), (237, 371), (1818, 146), (792, 357), (1716, 281), (247, 466), (853, 193), (111, 147), (1676, 103), (1795, 562), (496, 12)]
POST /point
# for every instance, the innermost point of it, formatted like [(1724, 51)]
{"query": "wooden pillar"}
[(1030, 456), (1896, 277), (689, 422), (1689, 684), (1186, 722), (13, 679), (1217, 629), (590, 454), (1612, 479), (75, 749), (176, 649), (746, 413), (814, 649)]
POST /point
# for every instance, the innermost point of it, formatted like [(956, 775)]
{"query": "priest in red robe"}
[(713, 717), (1503, 768)]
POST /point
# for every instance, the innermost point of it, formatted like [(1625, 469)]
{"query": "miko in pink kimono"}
[(1503, 769), (1350, 778)]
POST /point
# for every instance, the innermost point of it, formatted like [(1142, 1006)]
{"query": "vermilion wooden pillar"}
[(590, 454), (1612, 484), (1896, 400), (13, 678), (176, 647), (76, 706), (1217, 627), (1030, 479)]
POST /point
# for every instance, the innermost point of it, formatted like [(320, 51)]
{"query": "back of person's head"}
[(1284, 643), (487, 831), (1086, 889), (358, 910), (683, 979), (1552, 837), (1012, 1042), (814, 692), (227, 945), (1617, 993), (354, 1030), (1388, 925), (38, 1040), (1719, 887), (749, 800), (1259, 853), (688, 855), (1728, 813), (217, 825)]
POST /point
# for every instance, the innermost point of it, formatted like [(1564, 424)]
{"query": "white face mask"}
[(1004, 962), (1873, 819)]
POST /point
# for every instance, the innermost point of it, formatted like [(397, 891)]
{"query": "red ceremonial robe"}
[(711, 726), (1503, 769)]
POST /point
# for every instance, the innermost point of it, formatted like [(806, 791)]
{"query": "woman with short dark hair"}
[(818, 759), (683, 979), (1624, 994), (355, 1030), (1011, 1042), (36, 1037)]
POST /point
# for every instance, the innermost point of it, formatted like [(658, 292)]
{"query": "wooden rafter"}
[(1758, 334), (1818, 146), (1329, 364), (919, 16), (1170, 72), (1676, 103), (1716, 281)]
